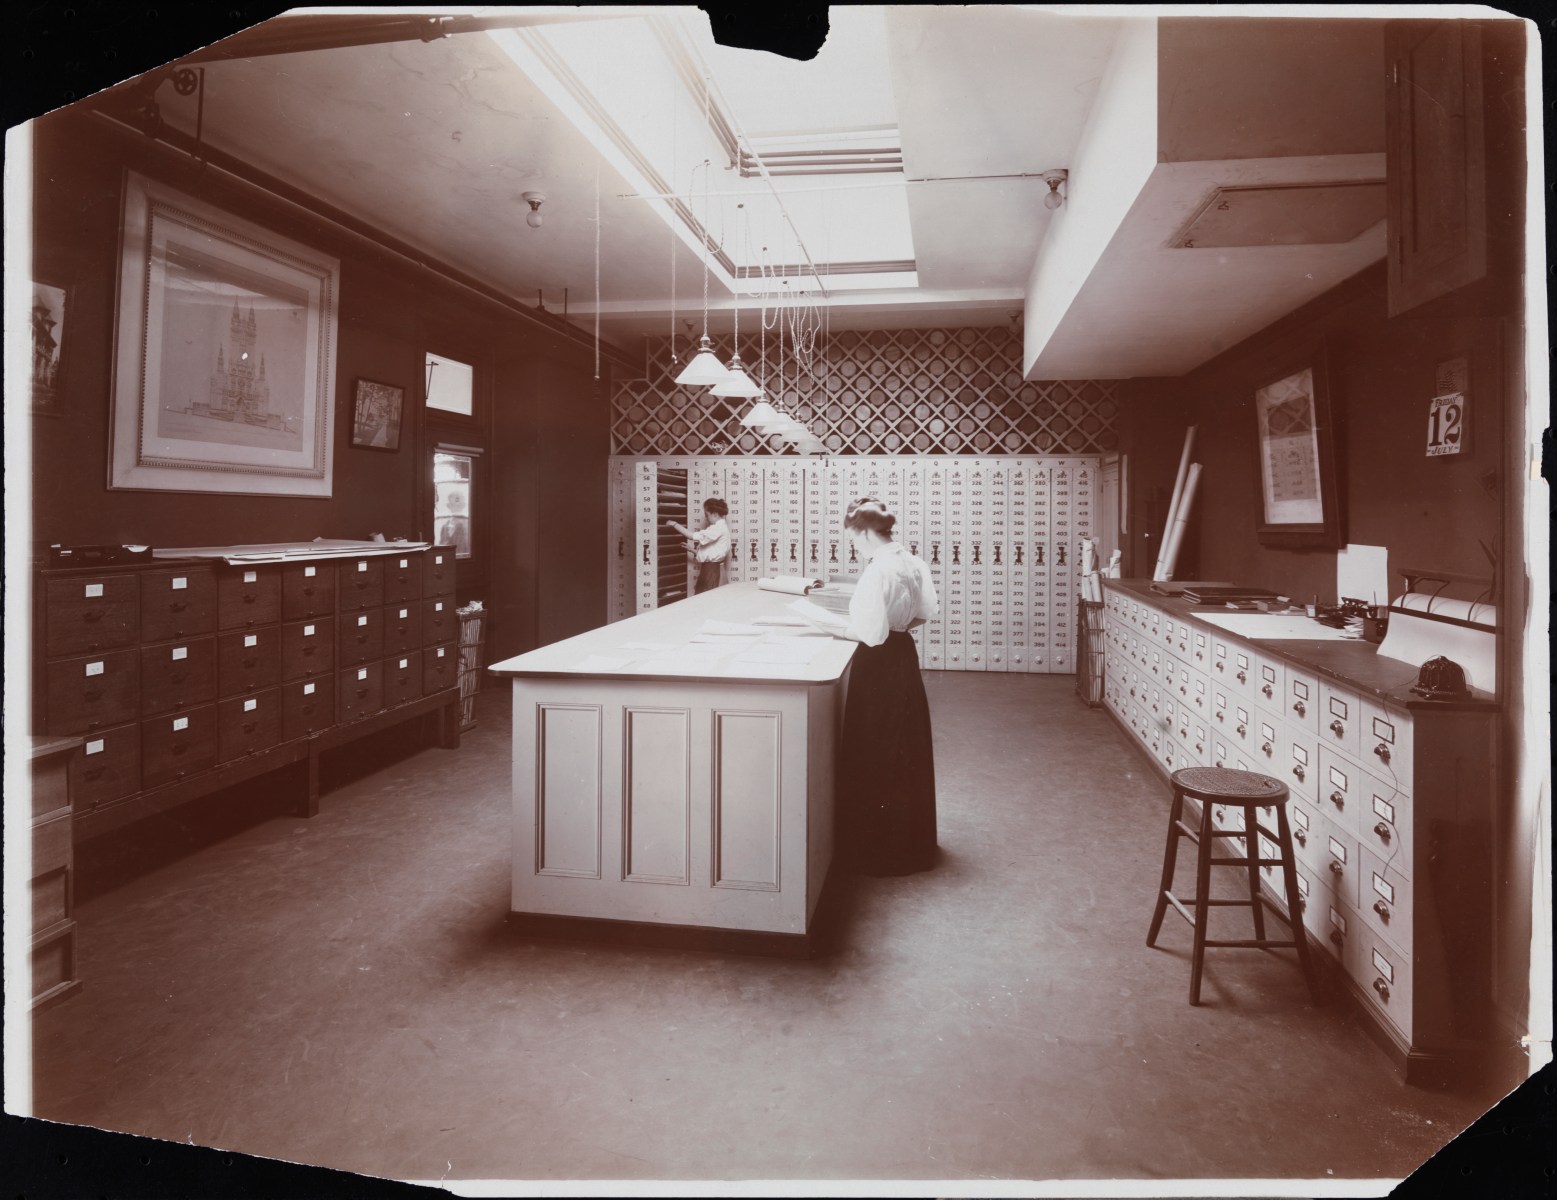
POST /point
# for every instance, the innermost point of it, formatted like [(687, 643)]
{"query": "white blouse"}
[(894, 592)]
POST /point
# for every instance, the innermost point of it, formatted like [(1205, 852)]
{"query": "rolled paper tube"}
[(1180, 519), (1173, 504)]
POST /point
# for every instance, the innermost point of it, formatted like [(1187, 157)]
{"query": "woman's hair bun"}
[(870, 513)]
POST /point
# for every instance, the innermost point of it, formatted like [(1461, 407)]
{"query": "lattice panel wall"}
[(898, 391)]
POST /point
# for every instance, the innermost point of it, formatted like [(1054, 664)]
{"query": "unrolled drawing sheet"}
[(794, 585), (727, 629), (1362, 573), (815, 614)]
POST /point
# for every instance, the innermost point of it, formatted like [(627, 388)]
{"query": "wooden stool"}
[(1249, 791)]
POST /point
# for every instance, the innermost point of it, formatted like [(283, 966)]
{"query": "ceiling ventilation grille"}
[(1306, 214)]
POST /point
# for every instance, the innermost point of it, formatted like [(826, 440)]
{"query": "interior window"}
[(450, 385), (453, 470)]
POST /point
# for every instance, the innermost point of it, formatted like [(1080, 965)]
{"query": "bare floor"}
[(345, 991)]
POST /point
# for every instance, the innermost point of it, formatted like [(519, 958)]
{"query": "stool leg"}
[(1294, 910), (1202, 895), (1169, 859), (1252, 843)]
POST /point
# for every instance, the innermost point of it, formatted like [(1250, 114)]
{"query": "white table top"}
[(660, 644)]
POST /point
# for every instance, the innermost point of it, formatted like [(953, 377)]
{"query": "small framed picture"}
[(48, 346), (375, 420)]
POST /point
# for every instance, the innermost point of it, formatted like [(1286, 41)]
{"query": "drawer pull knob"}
[(1243, 677), (1267, 690), (178, 606), (1336, 868), (308, 710), (1335, 937), (1220, 716), (179, 677), (1221, 666), (1382, 750), (1382, 909), (1199, 657), (1183, 691), (1300, 708), (308, 651), (93, 617), (93, 696), (180, 748), (1301, 835), (1338, 729), (361, 637), (250, 597), (94, 773), (308, 591), (1242, 730), (1338, 800), (1265, 749), (1382, 830), (362, 693), (250, 726), (1382, 989), (251, 661), (1298, 771), (1199, 749)]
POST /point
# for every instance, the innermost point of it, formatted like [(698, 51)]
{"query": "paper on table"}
[(599, 662), (725, 639), (1362, 573), (781, 622), (709, 649), (794, 585), (727, 628), (647, 646), (791, 651), (816, 614)]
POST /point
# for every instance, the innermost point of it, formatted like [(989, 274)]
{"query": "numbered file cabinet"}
[(184, 677), (1391, 803)]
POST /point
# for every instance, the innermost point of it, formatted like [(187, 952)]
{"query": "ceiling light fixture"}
[(534, 200), (1054, 179), (705, 367), (736, 385)]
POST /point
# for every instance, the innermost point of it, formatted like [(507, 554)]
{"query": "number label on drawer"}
[(1243, 715), (1384, 730), (1338, 921), (180, 723), (1267, 732), (310, 572), (308, 689), (1221, 650), (1384, 808), (1338, 708), (438, 606), (94, 668), (1221, 753), (1299, 755), (362, 674), (1300, 818), (250, 639), (362, 566), (179, 583), (404, 663), (1338, 779), (1383, 888), (362, 620), (92, 591), (405, 563), (1383, 966), (438, 560), (404, 613), (179, 653), (250, 705), (1268, 675), (308, 631), (1300, 689), (440, 651), (1302, 883), (1221, 700), (1337, 851), (95, 746), (251, 577)]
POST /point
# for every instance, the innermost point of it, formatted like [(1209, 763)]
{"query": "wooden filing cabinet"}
[(181, 677), (51, 880), (1391, 804)]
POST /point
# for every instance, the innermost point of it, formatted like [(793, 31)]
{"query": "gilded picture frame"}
[(225, 345)]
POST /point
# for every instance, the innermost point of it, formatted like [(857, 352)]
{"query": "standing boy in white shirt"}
[(710, 544)]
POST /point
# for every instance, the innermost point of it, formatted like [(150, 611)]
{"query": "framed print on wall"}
[(48, 346), (1300, 507), (376, 414), (224, 376)]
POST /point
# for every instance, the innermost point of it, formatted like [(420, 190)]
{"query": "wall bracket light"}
[(534, 200), (1054, 179)]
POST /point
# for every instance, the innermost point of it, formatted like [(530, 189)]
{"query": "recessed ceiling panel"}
[(1320, 214)]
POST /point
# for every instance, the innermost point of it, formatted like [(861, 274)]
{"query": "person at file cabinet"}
[(886, 764), (710, 544)]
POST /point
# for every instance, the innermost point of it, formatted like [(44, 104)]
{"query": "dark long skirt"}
[(709, 576), (886, 767)]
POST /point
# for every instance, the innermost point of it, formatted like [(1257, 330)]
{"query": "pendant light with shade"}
[(705, 367), (761, 413), (736, 385)]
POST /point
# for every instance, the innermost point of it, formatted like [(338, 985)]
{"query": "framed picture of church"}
[(225, 332)]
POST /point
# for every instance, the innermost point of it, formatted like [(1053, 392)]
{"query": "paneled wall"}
[(884, 391)]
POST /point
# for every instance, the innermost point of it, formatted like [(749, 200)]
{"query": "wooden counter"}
[(695, 795)]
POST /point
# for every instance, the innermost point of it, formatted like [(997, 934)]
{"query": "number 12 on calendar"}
[(1446, 424)]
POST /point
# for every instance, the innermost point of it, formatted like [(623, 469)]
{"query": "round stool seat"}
[(1219, 784)]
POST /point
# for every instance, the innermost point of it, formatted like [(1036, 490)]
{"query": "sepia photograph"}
[(933, 624)]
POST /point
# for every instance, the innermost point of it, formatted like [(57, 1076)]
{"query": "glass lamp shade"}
[(760, 415), (704, 369), (736, 385), (785, 427)]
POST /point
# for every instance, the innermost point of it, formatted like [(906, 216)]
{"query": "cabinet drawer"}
[(178, 675), (177, 603), (360, 692), (403, 578), (1267, 746), (438, 573), (1267, 682), (50, 897), (1299, 766), (440, 668), (307, 707), (54, 964), (90, 612), (359, 584), (248, 661), (439, 624), (174, 747), (51, 779), (1327, 851), (402, 627), (361, 636), (1340, 718), (1386, 743), (1197, 694), (402, 678), (107, 767), (248, 596), (248, 724), (1384, 821), (93, 692), (1385, 899), (50, 845), (1183, 637), (1383, 973), (1301, 706), (1341, 790), (307, 590), (1199, 649), (1231, 663), (307, 648)]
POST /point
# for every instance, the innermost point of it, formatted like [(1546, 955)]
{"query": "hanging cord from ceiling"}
[(597, 268)]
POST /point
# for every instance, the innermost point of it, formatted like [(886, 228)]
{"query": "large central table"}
[(662, 787)]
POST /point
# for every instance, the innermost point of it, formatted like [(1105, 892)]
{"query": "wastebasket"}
[(1089, 651), (472, 641)]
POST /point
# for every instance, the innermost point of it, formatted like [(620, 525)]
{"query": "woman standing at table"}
[(886, 770)]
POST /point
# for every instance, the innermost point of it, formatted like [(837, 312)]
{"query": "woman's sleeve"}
[(929, 603), (868, 611)]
